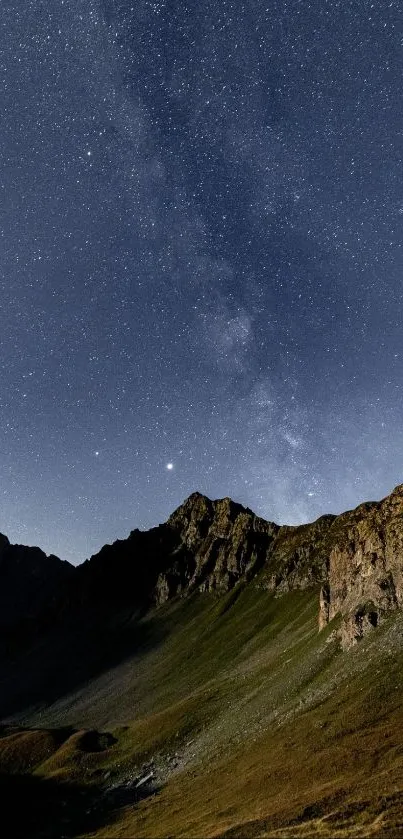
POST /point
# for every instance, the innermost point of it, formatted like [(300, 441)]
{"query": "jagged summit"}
[(224, 541), (194, 499)]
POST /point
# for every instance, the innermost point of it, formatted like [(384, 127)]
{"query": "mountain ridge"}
[(215, 546), (178, 684)]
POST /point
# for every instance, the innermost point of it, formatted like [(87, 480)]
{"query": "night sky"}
[(201, 261)]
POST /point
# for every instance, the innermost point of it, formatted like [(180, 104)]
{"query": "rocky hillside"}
[(364, 578), (224, 543), (209, 546), (357, 557), (217, 546)]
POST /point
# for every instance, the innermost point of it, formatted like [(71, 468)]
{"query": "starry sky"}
[(201, 261)]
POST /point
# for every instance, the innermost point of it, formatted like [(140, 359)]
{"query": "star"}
[(208, 264)]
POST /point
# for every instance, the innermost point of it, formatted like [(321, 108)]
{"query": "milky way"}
[(201, 261)]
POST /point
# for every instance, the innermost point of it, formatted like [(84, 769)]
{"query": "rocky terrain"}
[(209, 546), (175, 683), (364, 577), (214, 547)]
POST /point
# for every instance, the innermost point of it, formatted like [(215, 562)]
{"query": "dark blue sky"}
[(201, 261)]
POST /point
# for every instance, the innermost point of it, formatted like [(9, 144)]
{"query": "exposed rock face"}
[(365, 567), (298, 556), (224, 542)]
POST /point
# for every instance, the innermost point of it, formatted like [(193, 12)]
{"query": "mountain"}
[(216, 546), (218, 675), (205, 546), (29, 581)]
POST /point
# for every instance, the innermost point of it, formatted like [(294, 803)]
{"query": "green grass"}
[(278, 733), (202, 643)]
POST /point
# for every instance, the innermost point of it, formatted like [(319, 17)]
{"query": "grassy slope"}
[(275, 731)]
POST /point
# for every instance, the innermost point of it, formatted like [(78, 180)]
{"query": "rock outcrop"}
[(298, 556), (223, 542), (226, 543), (356, 557), (364, 579)]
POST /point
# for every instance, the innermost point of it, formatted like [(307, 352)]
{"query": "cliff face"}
[(364, 579), (298, 556)]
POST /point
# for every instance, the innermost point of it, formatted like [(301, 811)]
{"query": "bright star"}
[(170, 466)]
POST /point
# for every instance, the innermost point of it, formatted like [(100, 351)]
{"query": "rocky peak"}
[(224, 542), (227, 542), (208, 546), (357, 557), (198, 515), (193, 518)]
